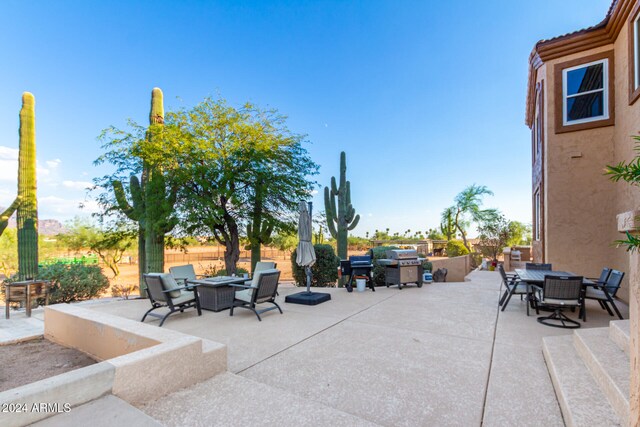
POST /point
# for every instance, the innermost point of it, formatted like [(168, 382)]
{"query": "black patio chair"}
[(264, 289), (538, 266), (164, 291), (604, 291), (558, 293), (513, 286)]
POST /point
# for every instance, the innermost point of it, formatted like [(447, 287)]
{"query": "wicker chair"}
[(263, 289), (605, 290), (513, 286), (538, 266), (558, 293), (164, 291)]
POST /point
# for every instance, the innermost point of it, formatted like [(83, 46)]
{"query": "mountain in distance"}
[(46, 227)]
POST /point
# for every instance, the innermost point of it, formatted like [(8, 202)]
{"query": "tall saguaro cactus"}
[(4, 216), (151, 207), (28, 209), (135, 212), (259, 231), (341, 217)]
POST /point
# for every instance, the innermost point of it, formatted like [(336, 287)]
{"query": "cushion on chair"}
[(183, 272), (264, 265), (553, 301), (244, 295), (185, 296), (168, 283), (257, 274), (595, 293)]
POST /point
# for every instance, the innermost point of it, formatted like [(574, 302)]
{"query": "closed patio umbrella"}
[(306, 257)]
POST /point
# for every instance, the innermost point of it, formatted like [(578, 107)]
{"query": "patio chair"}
[(164, 291), (604, 291), (558, 293), (263, 289), (538, 266), (261, 266), (183, 273), (513, 286), (516, 255)]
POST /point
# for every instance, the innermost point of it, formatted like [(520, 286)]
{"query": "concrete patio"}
[(440, 355)]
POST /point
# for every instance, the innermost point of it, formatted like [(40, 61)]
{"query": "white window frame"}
[(636, 52), (537, 222), (537, 131), (604, 90)]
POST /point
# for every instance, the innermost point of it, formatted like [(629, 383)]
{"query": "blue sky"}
[(425, 97)]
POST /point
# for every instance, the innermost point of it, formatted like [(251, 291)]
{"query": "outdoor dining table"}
[(535, 278), (217, 293)]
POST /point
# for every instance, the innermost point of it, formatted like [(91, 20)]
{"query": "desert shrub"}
[(325, 270), (379, 252), (456, 248), (427, 266), (74, 282), (476, 260), (123, 291), (212, 270)]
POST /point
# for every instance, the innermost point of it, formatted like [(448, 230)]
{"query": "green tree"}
[(495, 234), (467, 209), (109, 245), (521, 234), (236, 167)]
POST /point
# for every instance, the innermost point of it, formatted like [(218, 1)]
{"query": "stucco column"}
[(630, 221)]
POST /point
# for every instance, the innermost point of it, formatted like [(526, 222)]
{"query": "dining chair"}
[(558, 293), (605, 291), (538, 266)]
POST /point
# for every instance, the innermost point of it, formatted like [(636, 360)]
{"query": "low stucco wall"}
[(457, 267), (140, 362)]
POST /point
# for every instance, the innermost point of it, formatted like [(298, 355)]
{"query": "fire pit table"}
[(216, 293)]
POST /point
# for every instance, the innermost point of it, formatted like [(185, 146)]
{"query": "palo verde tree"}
[(237, 168), (467, 209)]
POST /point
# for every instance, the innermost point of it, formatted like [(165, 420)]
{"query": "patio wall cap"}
[(629, 221)]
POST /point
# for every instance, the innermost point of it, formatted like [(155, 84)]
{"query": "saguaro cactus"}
[(340, 218), (4, 216), (28, 209), (259, 231), (150, 205), (135, 212)]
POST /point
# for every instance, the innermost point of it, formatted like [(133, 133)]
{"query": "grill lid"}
[(402, 254)]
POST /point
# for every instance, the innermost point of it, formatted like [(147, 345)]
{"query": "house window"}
[(585, 92), (636, 53), (537, 126), (536, 219)]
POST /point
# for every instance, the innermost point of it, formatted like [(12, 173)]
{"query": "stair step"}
[(619, 333), (609, 366), (581, 400)]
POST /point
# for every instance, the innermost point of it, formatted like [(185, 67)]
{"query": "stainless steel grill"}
[(402, 267)]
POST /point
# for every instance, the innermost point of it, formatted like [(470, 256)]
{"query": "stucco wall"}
[(457, 267), (581, 203)]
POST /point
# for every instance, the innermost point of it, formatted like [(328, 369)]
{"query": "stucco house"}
[(583, 109)]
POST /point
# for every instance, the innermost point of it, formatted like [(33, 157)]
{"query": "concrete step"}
[(619, 333), (581, 400), (608, 365), (107, 411), (233, 400)]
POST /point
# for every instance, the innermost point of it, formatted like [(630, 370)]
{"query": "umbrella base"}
[(307, 298)]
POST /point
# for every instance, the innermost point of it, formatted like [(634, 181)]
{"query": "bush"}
[(325, 270), (379, 252), (212, 270), (427, 266), (476, 260), (123, 291), (74, 282), (456, 248)]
